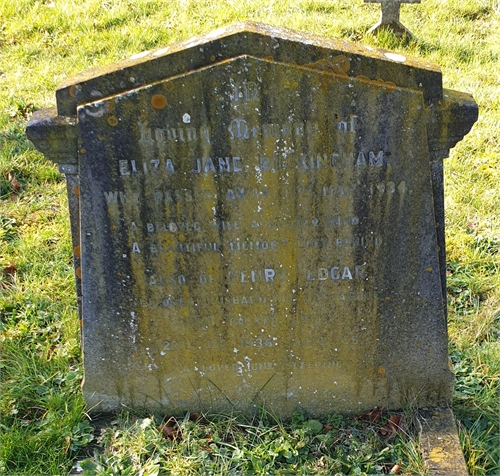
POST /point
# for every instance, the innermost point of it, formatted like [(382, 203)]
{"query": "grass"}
[(44, 425), (232, 445)]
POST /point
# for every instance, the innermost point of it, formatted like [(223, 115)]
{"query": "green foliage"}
[(40, 404), (8, 230), (42, 413), (225, 445), (477, 399)]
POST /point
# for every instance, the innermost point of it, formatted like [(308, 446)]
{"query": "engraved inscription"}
[(246, 91), (223, 165)]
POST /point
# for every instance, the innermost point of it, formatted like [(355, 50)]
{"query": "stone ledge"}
[(440, 443)]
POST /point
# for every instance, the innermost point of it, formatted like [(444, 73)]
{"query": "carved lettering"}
[(238, 129), (173, 134), (247, 91), (218, 165), (374, 160), (336, 273), (315, 365)]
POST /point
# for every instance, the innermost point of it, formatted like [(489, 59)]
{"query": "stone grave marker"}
[(389, 16), (257, 217)]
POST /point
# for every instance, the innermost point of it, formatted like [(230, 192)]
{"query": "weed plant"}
[(232, 445), (44, 425)]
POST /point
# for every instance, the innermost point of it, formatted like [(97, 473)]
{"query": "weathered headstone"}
[(259, 219), (389, 16)]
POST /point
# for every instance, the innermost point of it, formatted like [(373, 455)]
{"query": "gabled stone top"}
[(257, 40)]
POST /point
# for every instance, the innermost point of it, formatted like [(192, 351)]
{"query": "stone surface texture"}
[(259, 221)]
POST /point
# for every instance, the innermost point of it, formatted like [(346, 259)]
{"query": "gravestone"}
[(257, 217), (389, 16)]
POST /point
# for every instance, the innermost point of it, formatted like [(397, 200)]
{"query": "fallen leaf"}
[(13, 181), (394, 425), (198, 418), (396, 469), (10, 270), (373, 416), (67, 444), (15, 185), (385, 430), (395, 422), (169, 433), (170, 429), (171, 423)]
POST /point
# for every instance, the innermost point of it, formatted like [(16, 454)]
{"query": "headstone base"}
[(395, 27), (440, 443)]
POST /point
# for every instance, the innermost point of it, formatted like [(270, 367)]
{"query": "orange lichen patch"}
[(78, 273), (437, 455), (112, 121), (323, 65), (290, 84), (168, 86), (341, 64), (74, 90), (429, 269), (100, 137), (386, 86), (364, 79), (76, 190), (82, 150), (381, 370), (77, 250), (158, 101), (326, 83)]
